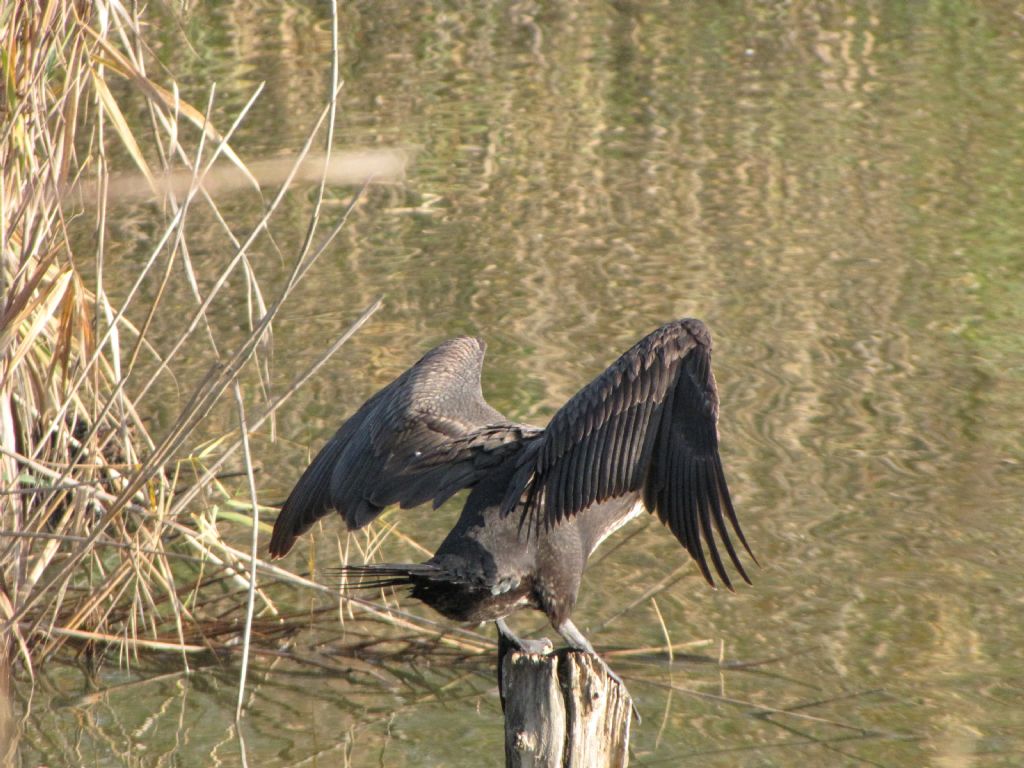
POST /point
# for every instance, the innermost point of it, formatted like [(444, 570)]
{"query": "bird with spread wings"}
[(642, 435)]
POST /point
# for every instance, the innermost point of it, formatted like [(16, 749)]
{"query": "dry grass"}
[(109, 535)]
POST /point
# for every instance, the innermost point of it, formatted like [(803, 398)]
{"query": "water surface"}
[(835, 189)]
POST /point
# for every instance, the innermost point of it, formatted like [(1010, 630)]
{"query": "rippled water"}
[(834, 188)]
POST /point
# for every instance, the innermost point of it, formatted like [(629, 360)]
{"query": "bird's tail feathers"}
[(378, 575)]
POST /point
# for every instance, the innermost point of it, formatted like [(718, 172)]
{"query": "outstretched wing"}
[(423, 437), (648, 424)]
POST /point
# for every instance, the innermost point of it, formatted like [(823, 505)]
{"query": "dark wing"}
[(423, 437), (648, 424)]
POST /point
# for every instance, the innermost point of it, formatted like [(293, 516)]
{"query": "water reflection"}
[(833, 188)]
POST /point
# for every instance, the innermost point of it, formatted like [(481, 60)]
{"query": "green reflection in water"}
[(833, 188)]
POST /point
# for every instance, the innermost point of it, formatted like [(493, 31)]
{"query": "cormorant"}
[(642, 435)]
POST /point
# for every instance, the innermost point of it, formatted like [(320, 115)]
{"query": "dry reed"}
[(105, 547)]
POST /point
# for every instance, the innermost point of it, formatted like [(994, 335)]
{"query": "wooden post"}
[(563, 711)]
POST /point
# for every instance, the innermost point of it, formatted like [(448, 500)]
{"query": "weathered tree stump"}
[(563, 711)]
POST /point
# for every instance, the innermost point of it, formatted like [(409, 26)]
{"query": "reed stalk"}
[(112, 535)]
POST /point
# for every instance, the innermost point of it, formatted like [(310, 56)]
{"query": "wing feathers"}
[(705, 521), (308, 497), (423, 437), (715, 496), (730, 512), (647, 425)]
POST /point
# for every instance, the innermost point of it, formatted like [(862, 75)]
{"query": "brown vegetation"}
[(109, 536)]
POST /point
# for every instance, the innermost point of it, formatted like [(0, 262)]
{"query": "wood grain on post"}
[(563, 711)]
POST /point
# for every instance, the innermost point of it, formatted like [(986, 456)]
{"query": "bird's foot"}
[(541, 645), (509, 641)]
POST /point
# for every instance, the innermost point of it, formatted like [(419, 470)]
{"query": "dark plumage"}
[(642, 434)]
